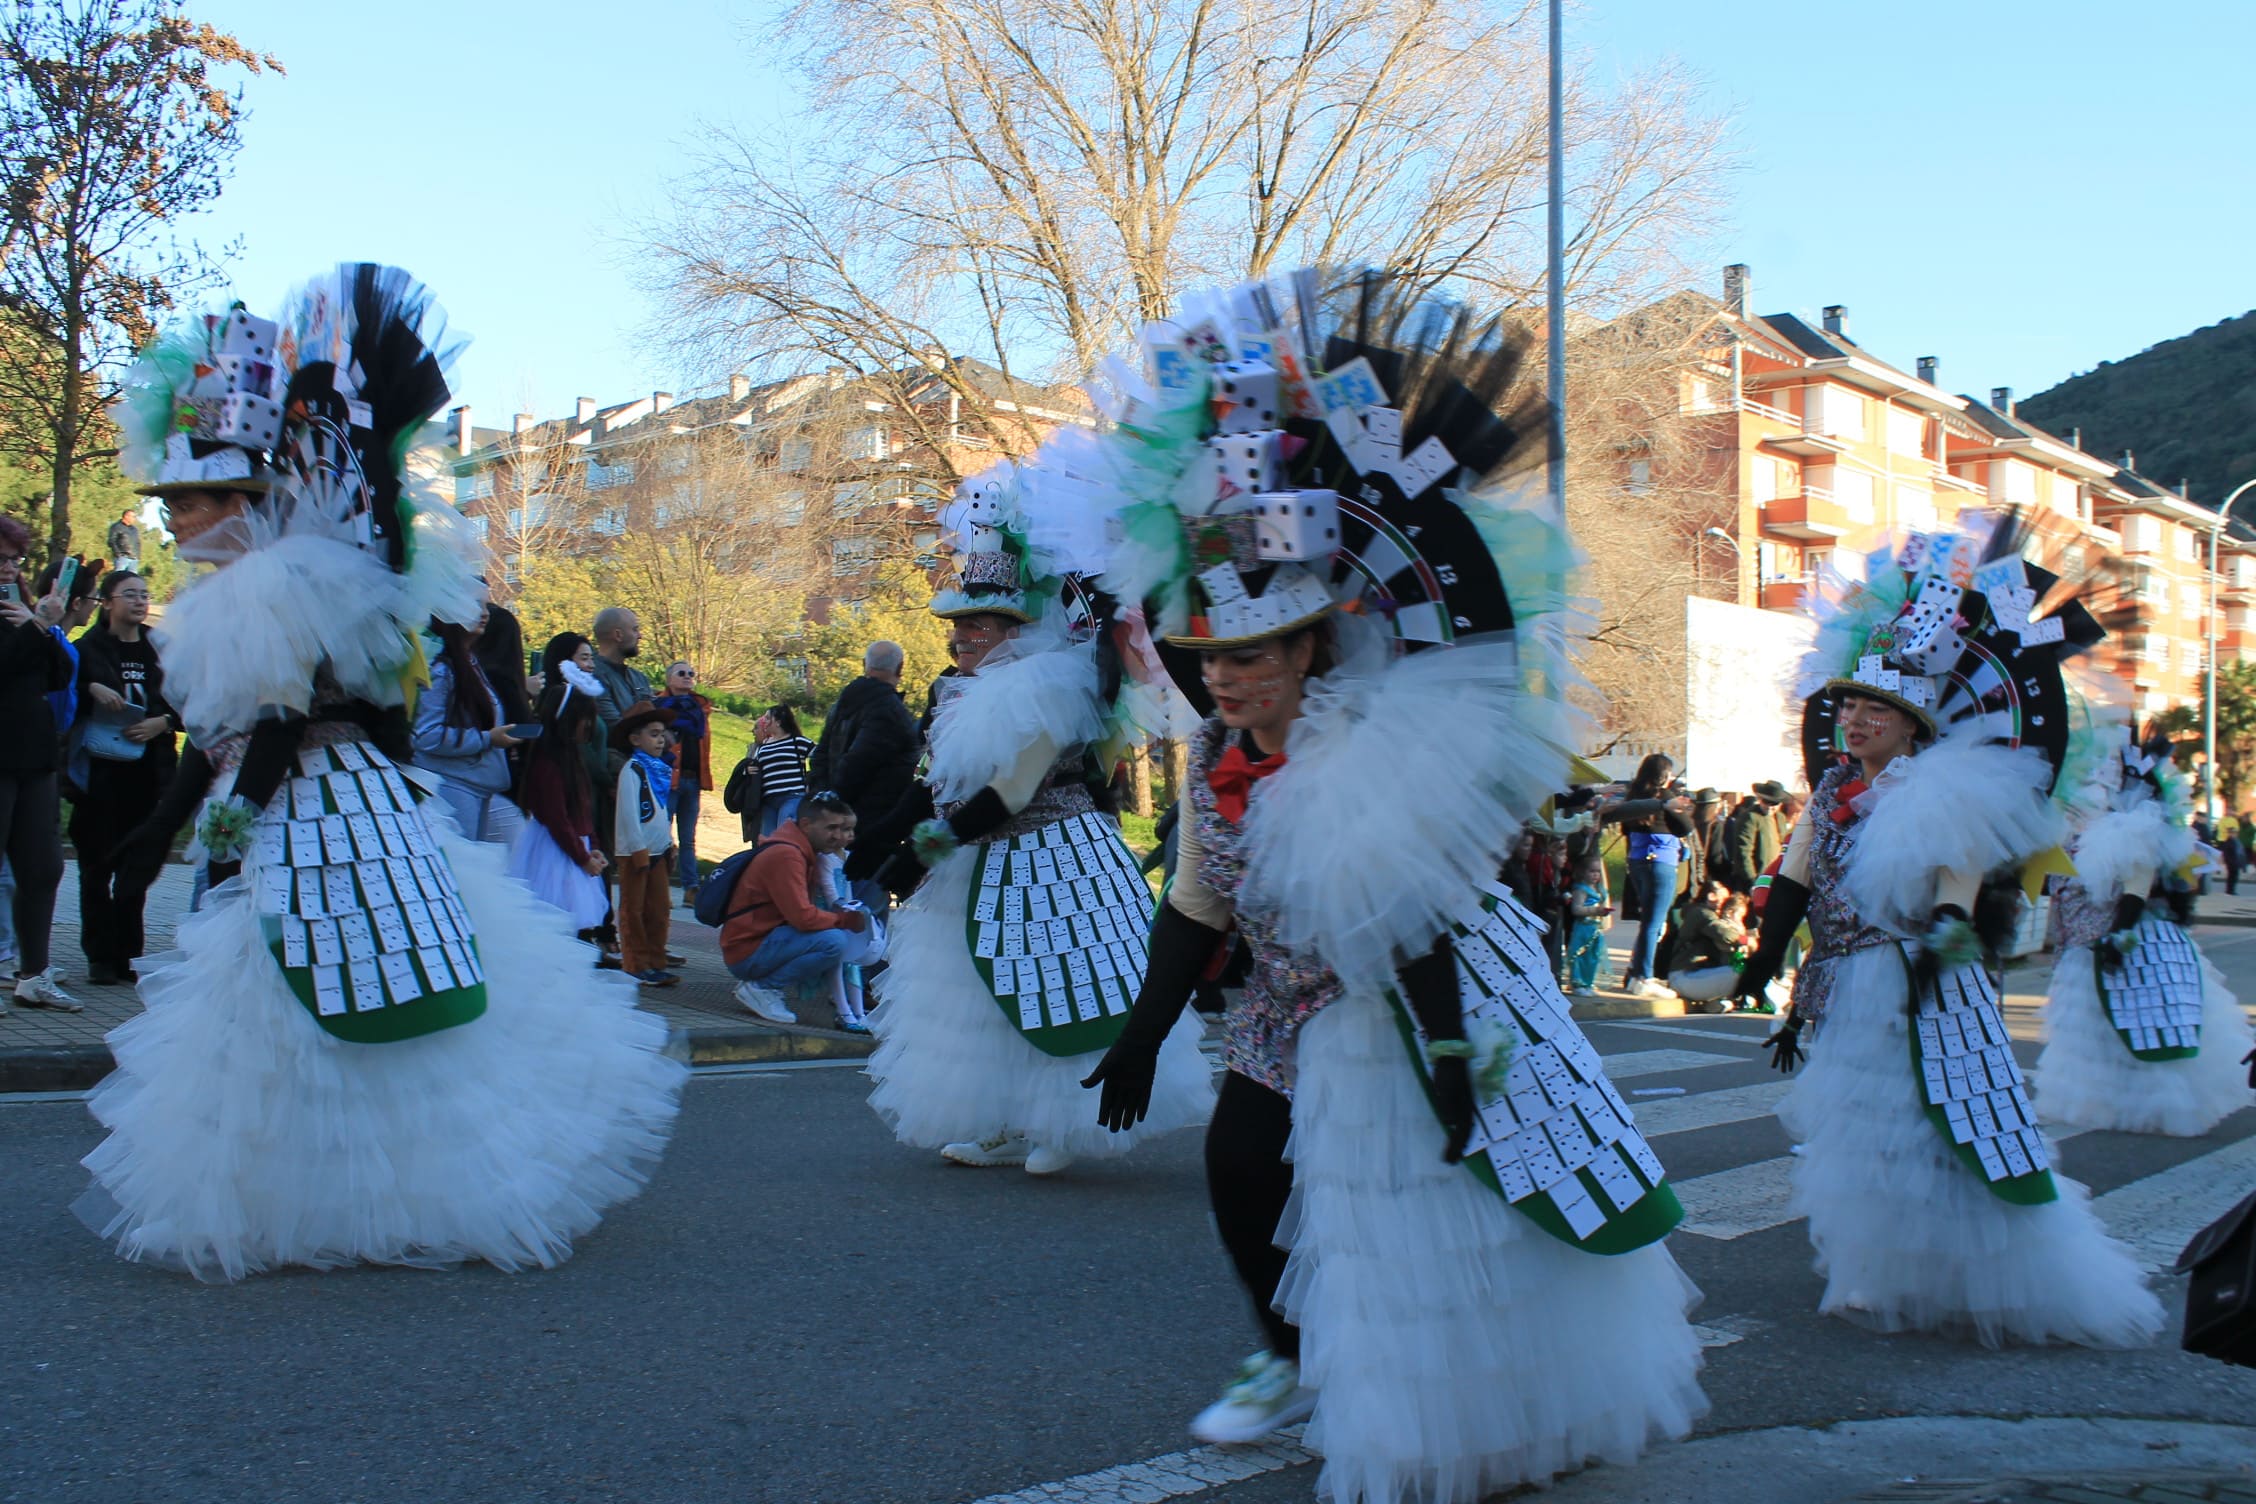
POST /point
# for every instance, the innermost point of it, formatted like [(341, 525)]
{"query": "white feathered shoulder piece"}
[(1026, 692), (1403, 786), (245, 640), (1961, 806)]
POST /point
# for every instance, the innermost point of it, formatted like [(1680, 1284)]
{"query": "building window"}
[(611, 521), (795, 454), (2189, 600), (1915, 508), (2142, 535), (1640, 477), (602, 477), (1762, 478), (477, 527), (853, 555), (475, 486), (870, 443), (2189, 657), (1836, 412), (1907, 432), (1853, 490), (2187, 542)]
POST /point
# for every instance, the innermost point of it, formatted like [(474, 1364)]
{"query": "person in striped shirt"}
[(780, 753)]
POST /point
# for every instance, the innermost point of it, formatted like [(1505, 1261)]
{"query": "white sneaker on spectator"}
[(1649, 987), (39, 990), (1044, 1160), (1265, 1396), (766, 1002), (988, 1153)]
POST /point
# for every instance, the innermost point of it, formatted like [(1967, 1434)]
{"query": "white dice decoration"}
[(1255, 394), (1296, 525), (1249, 462)]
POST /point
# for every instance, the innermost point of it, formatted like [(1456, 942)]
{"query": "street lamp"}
[(1738, 555), (2209, 698)]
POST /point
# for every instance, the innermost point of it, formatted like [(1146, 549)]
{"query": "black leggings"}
[(119, 796), (31, 836), (1248, 1182)]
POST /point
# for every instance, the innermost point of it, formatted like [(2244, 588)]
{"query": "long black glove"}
[(1785, 1046), (267, 760), (1782, 915), (2129, 909), (982, 813), (1429, 987), (140, 857), (1181, 947)]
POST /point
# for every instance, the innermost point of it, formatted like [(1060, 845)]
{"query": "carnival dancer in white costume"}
[(1934, 720), (1444, 1215), (371, 1045), (1013, 966), (2141, 1033)]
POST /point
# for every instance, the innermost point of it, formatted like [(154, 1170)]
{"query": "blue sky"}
[(2021, 189)]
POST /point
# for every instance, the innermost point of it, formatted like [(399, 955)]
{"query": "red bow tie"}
[(1232, 778), (1844, 810)]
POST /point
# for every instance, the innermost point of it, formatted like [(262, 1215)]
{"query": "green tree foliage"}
[(2185, 407), (2236, 731)]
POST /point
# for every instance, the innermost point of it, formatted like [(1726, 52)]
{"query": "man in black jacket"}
[(868, 755), (33, 665)]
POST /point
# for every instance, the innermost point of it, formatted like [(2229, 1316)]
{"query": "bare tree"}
[(113, 127), (1033, 179)]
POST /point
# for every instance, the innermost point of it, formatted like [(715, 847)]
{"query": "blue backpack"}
[(719, 886)]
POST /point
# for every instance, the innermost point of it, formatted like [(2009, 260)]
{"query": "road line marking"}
[(1172, 1476), (1709, 1109), (2159, 1214), (1633, 1063), (1711, 1036), (39, 1098)]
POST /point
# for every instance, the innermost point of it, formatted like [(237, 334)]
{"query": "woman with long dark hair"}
[(461, 736), (781, 753), (129, 759), (1656, 826), (500, 651), (556, 854)]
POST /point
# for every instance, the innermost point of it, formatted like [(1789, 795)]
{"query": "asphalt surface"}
[(798, 1309)]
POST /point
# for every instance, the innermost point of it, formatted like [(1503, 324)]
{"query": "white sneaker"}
[(988, 1153), (1649, 987), (1044, 1160), (39, 991), (1265, 1396), (767, 1003)]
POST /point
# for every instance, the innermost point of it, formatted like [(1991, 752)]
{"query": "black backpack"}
[(2220, 1318), (719, 886)]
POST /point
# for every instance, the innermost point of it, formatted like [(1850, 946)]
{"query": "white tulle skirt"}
[(2088, 1078), (1907, 1235), (1456, 1348), (243, 1138), (543, 866), (950, 1068)]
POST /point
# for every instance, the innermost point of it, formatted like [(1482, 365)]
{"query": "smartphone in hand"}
[(524, 731)]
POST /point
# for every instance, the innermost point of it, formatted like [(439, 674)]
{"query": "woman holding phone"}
[(460, 736), (33, 664), (128, 742)]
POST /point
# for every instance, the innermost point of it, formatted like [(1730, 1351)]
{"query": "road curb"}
[(76, 1067), (1607, 1009)]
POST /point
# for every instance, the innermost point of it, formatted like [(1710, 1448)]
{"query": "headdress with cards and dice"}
[(1958, 629), (1328, 442), (988, 535), (202, 407)]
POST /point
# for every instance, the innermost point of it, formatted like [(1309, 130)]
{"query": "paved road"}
[(799, 1310)]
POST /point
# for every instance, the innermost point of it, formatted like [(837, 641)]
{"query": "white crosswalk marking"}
[(1709, 1109), (2157, 1215), (1654, 1062), (1743, 1199)]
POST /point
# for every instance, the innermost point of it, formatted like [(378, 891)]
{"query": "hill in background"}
[(2186, 407)]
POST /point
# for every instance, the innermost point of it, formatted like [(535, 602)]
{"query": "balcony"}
[(2237, 581), (1949, 482), (1812, 515), (1807, 440)]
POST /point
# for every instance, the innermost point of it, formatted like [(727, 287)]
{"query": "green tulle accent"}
[(1154, 448), (1538, 562), (147, 411)]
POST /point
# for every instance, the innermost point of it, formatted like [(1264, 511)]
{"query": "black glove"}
[(900, 873), (1785, 1046), (2129, 909), (981, 814), (2249, 1060), (1180, 949), (1782, 915), (1429, 987), (140, 857)]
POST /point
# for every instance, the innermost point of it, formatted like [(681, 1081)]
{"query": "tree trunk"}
[(1140, 781), (1178, 769), (66, 439)]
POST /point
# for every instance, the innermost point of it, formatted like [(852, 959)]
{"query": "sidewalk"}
[(41, 1050)]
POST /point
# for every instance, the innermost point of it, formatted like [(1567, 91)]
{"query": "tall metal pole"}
[(2209, 697), (1556, 275)]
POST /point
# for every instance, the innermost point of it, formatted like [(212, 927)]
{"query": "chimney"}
[(2129, 462), (2076, 438), (524, 423), (1927, 369), (660, 401), (463, 440), (740, 386), (1737, 283), (2001, 399), (1837, 319), (583, 411)]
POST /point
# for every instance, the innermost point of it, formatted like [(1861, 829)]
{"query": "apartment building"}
[(857, 464), (1821, 441)]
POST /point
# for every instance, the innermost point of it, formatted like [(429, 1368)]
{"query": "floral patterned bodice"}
[(1836, 930), (1283, 987)]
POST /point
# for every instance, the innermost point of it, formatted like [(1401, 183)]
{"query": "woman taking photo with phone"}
[(459, 735)]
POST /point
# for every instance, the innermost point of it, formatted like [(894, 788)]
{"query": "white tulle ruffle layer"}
[(1456, 1348), (2088, 1078), (2126, 847), (1907, 1235), (243, 1138), (950, 1068), (1959, 807), (1025, 693)]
